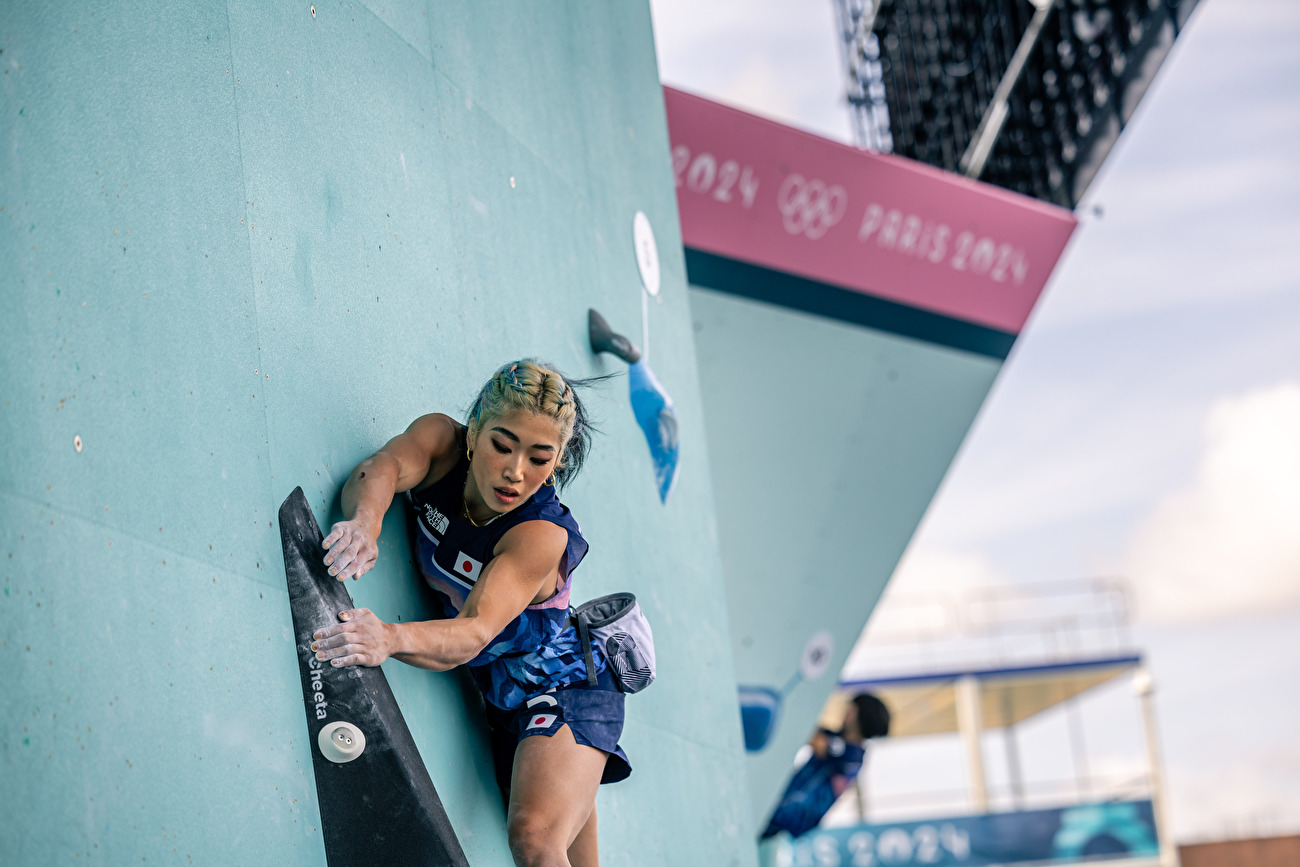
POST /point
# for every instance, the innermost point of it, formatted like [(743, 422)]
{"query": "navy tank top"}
[(538, 650)]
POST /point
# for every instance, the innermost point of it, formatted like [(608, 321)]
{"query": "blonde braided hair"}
[(536, 387)]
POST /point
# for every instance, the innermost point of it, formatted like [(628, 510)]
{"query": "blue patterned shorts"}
[(594, 714)]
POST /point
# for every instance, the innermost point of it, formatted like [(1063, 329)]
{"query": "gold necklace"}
[(464, 507)]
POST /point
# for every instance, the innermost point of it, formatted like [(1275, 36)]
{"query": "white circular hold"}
[(647, 254), (76, 443), (817, 655), (341, 742)]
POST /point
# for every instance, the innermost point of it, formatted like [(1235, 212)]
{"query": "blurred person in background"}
[(833, 764)]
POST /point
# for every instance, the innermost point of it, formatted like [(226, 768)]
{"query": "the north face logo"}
[(437, 520)]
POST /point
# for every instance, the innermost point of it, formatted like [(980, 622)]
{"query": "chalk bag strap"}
[(584, 636)]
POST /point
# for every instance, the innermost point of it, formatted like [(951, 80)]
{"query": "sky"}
[(1147, 423)]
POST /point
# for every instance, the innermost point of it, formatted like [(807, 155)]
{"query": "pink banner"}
[(756, 191)]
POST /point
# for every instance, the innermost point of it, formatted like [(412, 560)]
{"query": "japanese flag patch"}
[(541, 721), (467, 567), (545, 711)]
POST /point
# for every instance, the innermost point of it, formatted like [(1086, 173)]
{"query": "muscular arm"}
[(525, 562), (525, 559), (399, 466)]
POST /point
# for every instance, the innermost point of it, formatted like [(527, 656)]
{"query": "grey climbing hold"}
[(341, 742)]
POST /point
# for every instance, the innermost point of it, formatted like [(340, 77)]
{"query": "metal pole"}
[(1082, 773), (981, 144), (861, 784), (1146, 698), (1014, 773), (970, 722)]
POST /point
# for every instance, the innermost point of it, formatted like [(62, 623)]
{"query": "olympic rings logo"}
[(810, 208)]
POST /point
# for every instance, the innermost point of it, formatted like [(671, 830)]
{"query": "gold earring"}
[(551, 481), (469, 456)]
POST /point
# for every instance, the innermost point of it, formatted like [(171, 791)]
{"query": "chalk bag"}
[(616, 623)]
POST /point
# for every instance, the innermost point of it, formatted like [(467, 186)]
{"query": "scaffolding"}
[(1030, 95), (989, 660)]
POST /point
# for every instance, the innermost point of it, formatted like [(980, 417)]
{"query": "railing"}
[(996, 626)]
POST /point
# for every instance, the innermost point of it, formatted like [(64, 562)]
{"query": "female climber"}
[(499, 548)]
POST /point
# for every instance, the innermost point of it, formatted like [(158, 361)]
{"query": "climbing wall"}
[(871, 422), (244, 244), (852, 311)]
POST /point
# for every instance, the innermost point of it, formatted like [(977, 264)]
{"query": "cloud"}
[(926, 571), (1204, 231), (758, 87), (921, 602), (776, 58), (1058, 444), (1229, 542), (1253, 796)]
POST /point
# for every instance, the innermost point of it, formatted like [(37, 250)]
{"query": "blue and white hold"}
[(654, 412), (651, 405)]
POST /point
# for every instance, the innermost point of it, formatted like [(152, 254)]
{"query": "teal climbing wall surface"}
[(871, 421), (243, 244)]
